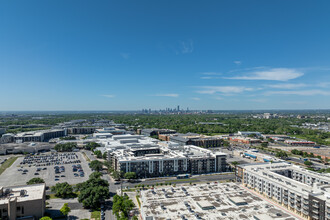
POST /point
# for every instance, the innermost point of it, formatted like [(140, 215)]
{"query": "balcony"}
[(316, 205)]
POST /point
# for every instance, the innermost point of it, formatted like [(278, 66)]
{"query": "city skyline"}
[(215, 55)]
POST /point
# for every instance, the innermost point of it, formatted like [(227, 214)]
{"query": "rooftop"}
[(207, 201), (22, 193)]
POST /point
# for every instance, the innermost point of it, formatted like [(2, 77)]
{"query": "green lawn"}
[(96, 215), (7, 164), (327, 140)]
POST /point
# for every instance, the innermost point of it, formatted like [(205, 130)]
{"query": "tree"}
[(105, 155), (98, 154), (264, 144), (65, 209), (46, 218), (308, 163), (116, 175), (96, 165), (95, 175), (93, 192), (35, 180), (67, 147), (63, 190), (91, 146), (130, 175), (121, 207)]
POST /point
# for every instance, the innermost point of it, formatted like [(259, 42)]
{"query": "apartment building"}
[(149, 157), (81, 130), (302, 191), (154, 161), (22, 202), (193, 139)]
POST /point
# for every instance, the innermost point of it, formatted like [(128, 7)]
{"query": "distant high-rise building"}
[(178, 108)]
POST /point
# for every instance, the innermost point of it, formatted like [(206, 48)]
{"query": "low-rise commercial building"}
[(40, 136), (299, 143), (302, 191), (22, 202)]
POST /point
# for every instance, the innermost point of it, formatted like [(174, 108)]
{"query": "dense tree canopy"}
[(67, 147), (63, 190), (121, 207), (93, 192), (91, 146), (96, 165)]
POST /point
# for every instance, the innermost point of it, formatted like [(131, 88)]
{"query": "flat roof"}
[(174, 202), (32, 192)]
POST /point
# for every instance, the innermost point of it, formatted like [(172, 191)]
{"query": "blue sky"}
[(127, 55)]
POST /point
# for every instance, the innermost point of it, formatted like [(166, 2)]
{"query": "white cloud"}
[(125, 55), (195, 98), (287, 86), (237, 62), (168, 95), (277, 74), (218, 98), (223, 89), (187, 46), (300, 92), (109, 96), (296, 103)]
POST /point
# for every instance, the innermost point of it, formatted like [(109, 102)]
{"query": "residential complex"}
[(223, 201), (22, 202), (193, 139), (302, 191), (149, 157)]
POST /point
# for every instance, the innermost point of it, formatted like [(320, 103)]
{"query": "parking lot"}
[(52, 167)]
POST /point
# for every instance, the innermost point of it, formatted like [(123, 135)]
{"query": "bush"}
[(35, 180), (96, 165)]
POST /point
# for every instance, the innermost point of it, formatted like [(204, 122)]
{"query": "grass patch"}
[(327, 140), (138, 200), (85, 156), (180, 180), (96, 215), (7, 164)]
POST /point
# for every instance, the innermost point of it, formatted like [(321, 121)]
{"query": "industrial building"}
[(39, 136), (193, 139), (302, 191), (223, 201), (22, 202), (148, 157)]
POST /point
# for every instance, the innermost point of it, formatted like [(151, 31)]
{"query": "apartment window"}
[(22, 210)]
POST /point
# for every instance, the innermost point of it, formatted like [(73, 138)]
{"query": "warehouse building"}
[(23, 202), (302, 191)]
